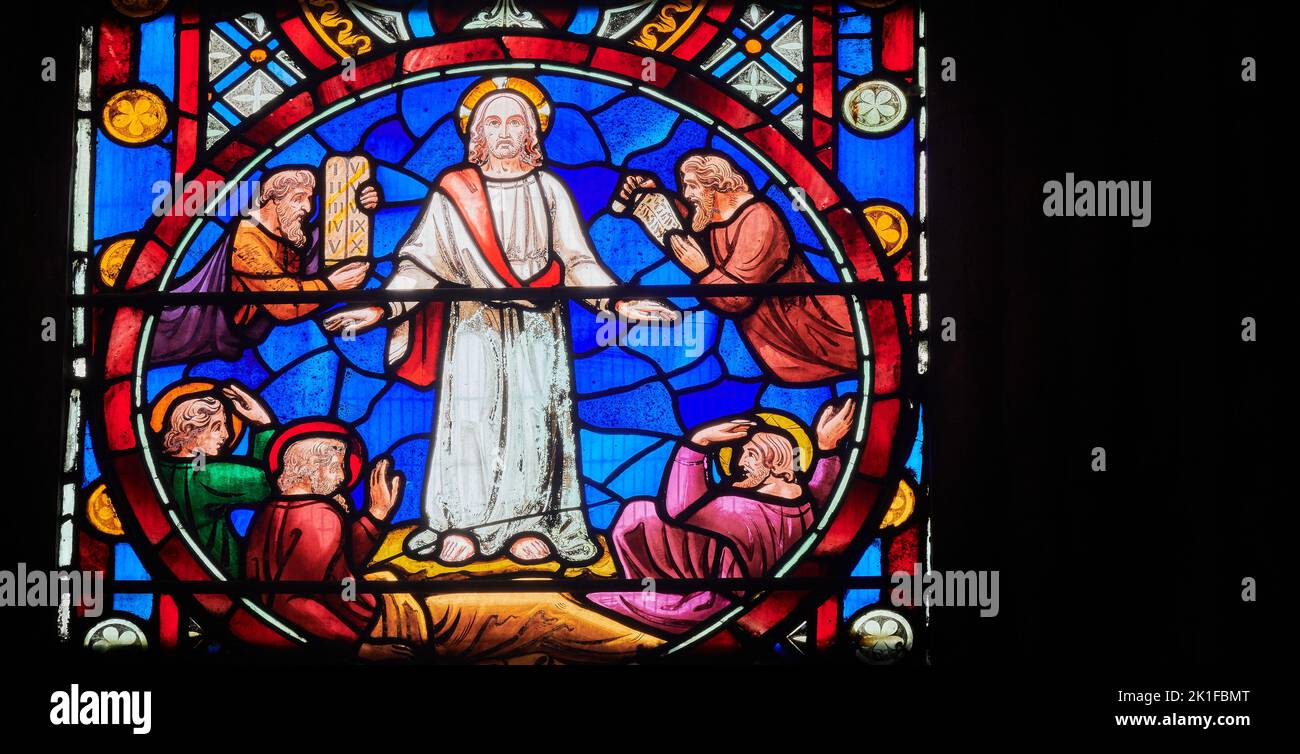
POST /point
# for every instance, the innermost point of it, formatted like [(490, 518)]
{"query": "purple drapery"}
[(197, 332)]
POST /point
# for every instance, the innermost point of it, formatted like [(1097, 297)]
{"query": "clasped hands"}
[(685, 248)]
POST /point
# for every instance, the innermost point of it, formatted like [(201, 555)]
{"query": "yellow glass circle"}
[(890, 226), (902, 506), (101, 513), (135, 116), (112, 258)]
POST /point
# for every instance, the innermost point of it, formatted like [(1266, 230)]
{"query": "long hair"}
[(715, 172), (303, 459), (187, 421), (282, 182), (477, 151)]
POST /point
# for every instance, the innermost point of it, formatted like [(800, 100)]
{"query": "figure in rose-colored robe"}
[(738, 237), (308, 531), (737, 530)]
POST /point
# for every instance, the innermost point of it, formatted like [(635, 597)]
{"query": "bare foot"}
[(530, 550), (456, 548)]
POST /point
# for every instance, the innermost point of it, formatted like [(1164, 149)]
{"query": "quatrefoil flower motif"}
[(876, 107), (135, 117), (113, 638), (881, 639)]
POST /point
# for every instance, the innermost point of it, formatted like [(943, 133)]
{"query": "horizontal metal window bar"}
[(154, 299), (530, 583)]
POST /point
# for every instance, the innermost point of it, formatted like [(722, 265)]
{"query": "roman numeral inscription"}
[(347, 227)]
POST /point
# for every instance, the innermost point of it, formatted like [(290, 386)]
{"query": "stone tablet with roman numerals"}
[(347, 226)]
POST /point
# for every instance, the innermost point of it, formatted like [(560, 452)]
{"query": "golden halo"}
[(189, 390), (531, 91), (802, 442)]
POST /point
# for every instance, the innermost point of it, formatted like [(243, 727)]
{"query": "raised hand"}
[(348, 276), (356, 320), (251, 409), (727, 431), (384, 489), (833, 424), (632, 183), (646, 310)]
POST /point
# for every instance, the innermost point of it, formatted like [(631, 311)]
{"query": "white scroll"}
[(656, 213)]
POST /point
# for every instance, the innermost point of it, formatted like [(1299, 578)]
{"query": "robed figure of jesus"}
[(502, 471)]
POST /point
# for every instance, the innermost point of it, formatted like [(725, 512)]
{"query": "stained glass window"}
[(416, 331)]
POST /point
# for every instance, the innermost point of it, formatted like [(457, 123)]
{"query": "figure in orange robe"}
[(270, 250)]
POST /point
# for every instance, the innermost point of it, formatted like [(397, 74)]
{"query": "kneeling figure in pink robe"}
[(737, 530)]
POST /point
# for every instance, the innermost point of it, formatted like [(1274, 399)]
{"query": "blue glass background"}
[(633, 402)]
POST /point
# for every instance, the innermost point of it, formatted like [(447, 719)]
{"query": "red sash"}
[(464, 187)]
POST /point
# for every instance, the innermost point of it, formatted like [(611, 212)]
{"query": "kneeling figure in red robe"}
[(308, 532)]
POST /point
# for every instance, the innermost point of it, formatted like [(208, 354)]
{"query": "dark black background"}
[(1072, 333)]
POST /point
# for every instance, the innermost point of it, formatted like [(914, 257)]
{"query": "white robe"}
[(503, 461)]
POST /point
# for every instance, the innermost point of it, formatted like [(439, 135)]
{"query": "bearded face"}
[(503, 129), (702, 199), (505, 144), (765, 457), (327, 477), (313, 464), (288, 196), (293, 222), (703, 213), (754, 470)]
